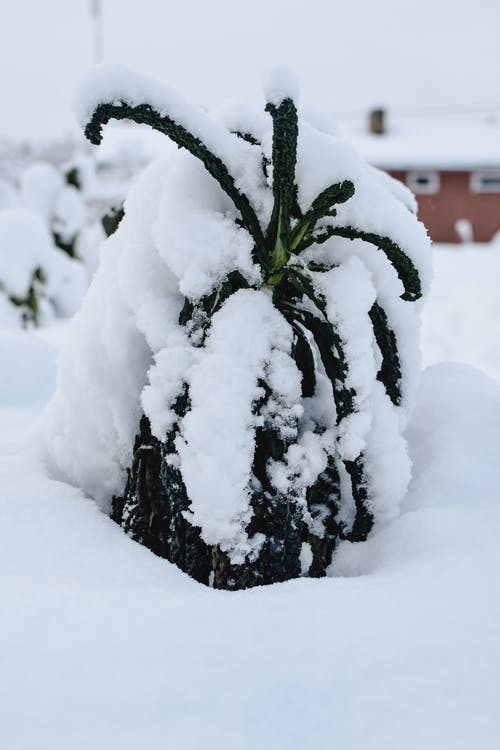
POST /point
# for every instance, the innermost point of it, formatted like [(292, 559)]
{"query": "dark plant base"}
[(152, 509)]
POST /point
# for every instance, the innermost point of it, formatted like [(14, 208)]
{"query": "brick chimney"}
[(377, 121)]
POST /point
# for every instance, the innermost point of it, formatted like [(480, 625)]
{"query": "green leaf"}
[(322, 206), (248, 137), (285, 134), (390, 369), (403, 265), (145, 114), (304, 285), (315, 239), (331, 352), (323, 503), (330, 349), (363, 521), (304, 359), (202, 310)]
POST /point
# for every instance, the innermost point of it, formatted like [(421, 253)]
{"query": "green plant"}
[(154, 508), (29, 305)]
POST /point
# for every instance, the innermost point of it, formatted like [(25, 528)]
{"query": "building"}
[(453, 169)]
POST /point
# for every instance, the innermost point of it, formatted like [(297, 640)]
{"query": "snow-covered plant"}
[(262, 321), (37, 280), (45, 190), (46, 215), (40, 220)]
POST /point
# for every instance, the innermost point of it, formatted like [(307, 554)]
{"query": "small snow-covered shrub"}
[(242, 369), (37, 280), (49, 211), (45, 190), (77, 189), (41, 218)]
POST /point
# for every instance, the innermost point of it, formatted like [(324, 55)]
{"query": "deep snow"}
[(105, 646)]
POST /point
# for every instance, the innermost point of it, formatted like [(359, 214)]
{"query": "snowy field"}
[(104, 646), (462, 315)]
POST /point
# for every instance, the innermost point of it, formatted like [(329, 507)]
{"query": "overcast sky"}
[(349, 54)]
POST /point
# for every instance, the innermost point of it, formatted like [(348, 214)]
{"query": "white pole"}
[(98, 30)]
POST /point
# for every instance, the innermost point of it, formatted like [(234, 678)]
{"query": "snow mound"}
[(454, 440)]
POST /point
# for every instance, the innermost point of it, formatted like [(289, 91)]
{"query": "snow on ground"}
[(104, 646), (461, 318)]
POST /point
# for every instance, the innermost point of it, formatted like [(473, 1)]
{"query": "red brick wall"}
[(455, 201)]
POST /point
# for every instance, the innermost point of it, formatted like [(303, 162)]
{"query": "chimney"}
[(377, 121)]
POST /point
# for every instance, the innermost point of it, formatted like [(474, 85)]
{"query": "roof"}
[(431, 145)]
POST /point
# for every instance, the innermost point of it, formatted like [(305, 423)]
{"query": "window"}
[(485, 182), (423, 183)]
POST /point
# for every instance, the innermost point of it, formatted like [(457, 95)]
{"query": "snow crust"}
[(178, 241)]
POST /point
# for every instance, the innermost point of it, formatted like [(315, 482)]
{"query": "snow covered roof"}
[(431, 145)]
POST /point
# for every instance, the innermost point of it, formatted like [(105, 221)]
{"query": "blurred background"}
[(414, 85), (417, 58)]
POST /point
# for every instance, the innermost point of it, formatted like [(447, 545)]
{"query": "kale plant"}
[(292, 529)]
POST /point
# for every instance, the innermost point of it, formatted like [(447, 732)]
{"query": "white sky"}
[(349, 54)]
